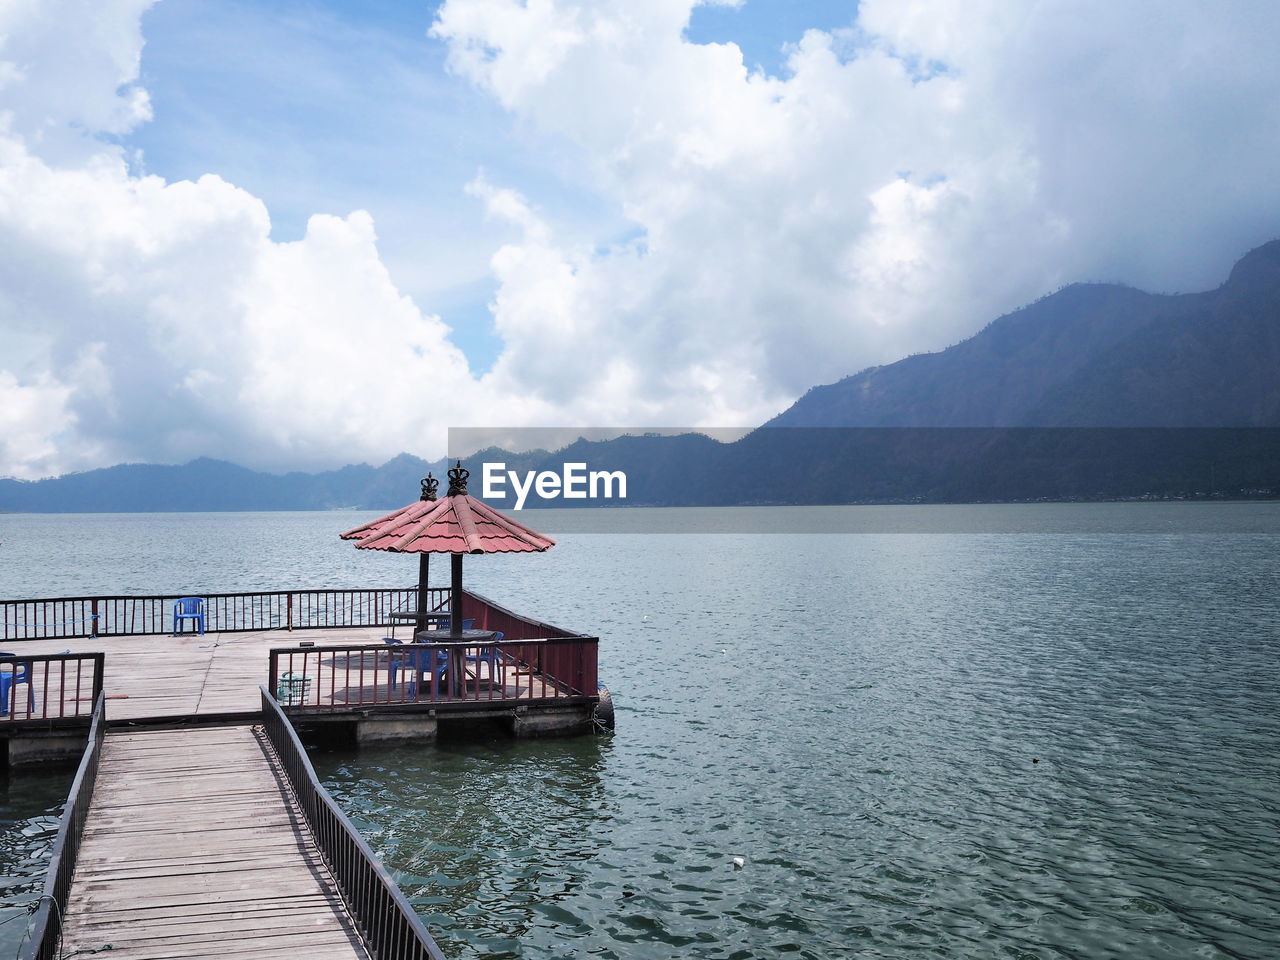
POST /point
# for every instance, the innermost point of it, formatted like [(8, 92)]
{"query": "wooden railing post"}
[(99, 674), (289, 614), (93, 618)]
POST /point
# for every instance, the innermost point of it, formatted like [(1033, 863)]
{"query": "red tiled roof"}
[(457, 524)]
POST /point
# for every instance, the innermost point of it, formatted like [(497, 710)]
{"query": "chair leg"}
[(9, 694)]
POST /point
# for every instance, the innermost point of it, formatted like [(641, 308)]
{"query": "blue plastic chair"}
[(10, 678), (188, 608), (419, 658), (487, 654)]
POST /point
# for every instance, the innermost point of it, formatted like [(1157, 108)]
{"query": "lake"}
[(1025, 731)]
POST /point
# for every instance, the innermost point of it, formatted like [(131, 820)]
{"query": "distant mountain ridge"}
[(1090, 355), (207, 484)]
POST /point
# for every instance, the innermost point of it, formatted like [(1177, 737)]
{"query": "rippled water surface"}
[(959, 746), (30, 805), (928, 744)]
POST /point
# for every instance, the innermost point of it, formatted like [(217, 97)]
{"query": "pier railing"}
[(391, 929), (41, 689), (45, 938), (118, 616), (381, 675), (533, 660), (576, 668)]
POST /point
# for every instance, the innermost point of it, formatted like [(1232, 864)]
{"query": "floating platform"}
[(529, 679)]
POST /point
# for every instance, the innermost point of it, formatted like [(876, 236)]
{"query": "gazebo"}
[(457, 525)]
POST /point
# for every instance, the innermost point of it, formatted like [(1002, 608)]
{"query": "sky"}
[(297, 234)]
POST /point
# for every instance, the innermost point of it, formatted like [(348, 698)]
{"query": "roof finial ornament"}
[(458, 479), (429, 486)]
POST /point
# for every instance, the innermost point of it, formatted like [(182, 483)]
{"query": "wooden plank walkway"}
[(194, 847), (159, 676)]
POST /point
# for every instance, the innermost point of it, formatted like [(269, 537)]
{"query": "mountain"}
[(1096, 391), (206, 484), (1090, 355)]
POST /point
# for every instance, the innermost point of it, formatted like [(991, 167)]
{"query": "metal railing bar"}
[(47, 922), (391, 928), (58, 703), (563, 667), (71, 617)]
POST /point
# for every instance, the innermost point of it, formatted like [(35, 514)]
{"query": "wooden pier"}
[(213, 841), (195, 846), (196, 825), (214, 675)]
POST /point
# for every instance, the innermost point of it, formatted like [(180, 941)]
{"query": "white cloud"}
[(67, 69), (33, 416), (209, 338), (904, 182), (157, 321)]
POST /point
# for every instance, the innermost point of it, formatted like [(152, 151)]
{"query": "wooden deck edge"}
[(438, 707)]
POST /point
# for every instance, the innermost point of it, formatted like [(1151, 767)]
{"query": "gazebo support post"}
[(455, 594), (424, 577)]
